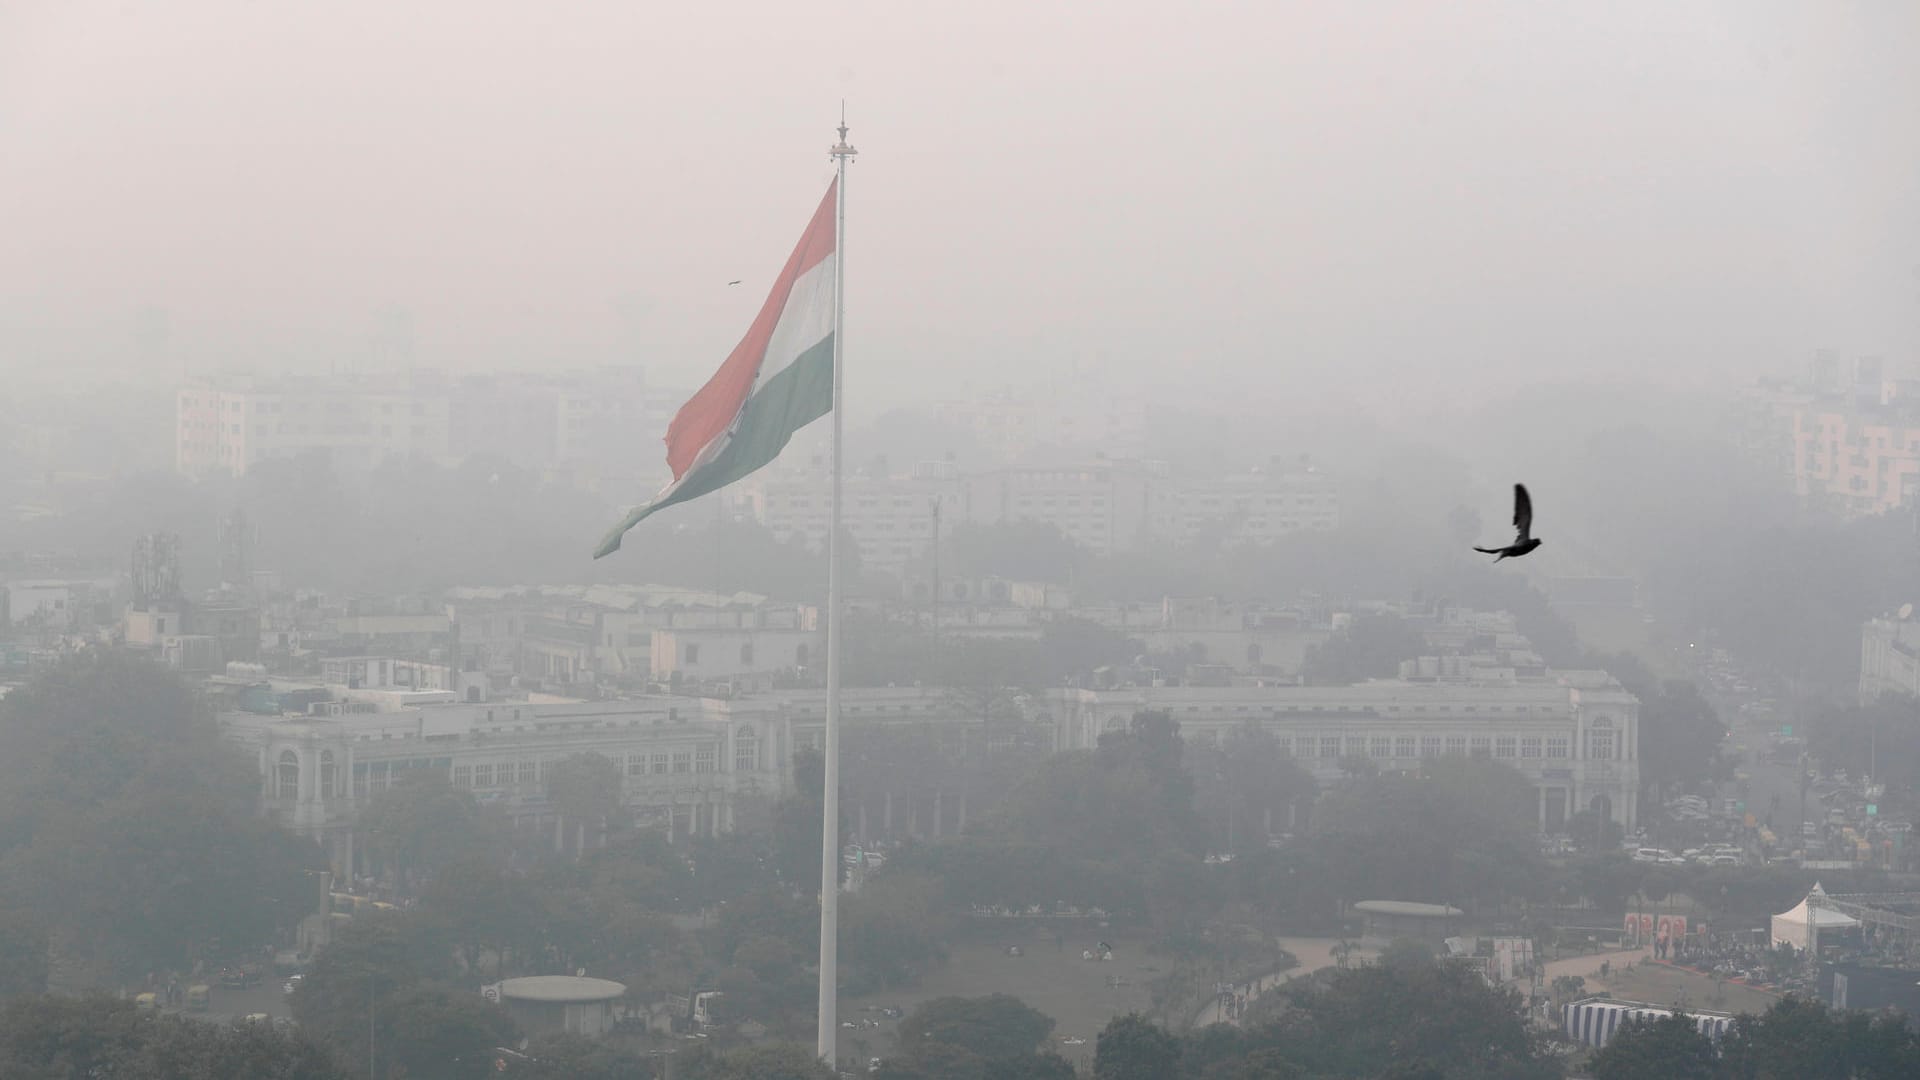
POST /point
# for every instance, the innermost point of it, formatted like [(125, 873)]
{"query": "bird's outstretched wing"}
[(1522, 510)]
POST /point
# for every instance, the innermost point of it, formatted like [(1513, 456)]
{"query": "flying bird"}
[(1523, 522), (735, 281)]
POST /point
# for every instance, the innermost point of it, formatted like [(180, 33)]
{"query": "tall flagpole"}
[(830, 802)]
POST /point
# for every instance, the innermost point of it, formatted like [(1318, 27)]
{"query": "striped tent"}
[(1594, 1021)]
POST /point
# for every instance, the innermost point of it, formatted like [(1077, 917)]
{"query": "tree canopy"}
[(129, 831), (1459, 832), (1371, 647), (61, 1038)]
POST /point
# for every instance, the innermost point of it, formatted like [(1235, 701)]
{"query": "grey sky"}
[(1242, 200)]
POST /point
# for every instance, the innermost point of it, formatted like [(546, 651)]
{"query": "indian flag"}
[(778, 380)]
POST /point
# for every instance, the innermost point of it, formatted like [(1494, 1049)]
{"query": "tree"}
[(797, 824), (778, 1061), (894, 928), (1016, 550), (1804, 1039), (486, 908), (1131, 1047), (23, 955), (160, 878), (585, 788), (1607, 880), (1862, 739), (987, 679), (564, 1056), (1243, 783), (1459, 833), (54, 1038), (431, 1031), (1595, 833), (422, 823), (1668, 1048), (368, 962), (1371, 647), (1000, 1030), (1680, 733), (1445, 1018), (1072, 649), (1406, 954), (131, 829), (81, 732)]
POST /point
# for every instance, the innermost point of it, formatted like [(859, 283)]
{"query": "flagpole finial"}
[(842, 149)]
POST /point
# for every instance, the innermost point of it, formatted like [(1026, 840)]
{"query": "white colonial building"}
[(688, 762), (1573, 734)]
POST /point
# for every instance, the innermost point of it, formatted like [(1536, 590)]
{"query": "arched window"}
[(326, 775), (746, 653), (289, 776)]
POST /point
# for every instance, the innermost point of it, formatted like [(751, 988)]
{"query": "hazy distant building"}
[(1259, 506), (606, 421), (232, 425), (1574, 734), (1104, 505), (687, 762), (1068, 418), (1846, 433), (1889, 658), (561, 637), (891, 518)]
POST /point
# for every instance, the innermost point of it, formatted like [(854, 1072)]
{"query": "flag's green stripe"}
[(792, 399)]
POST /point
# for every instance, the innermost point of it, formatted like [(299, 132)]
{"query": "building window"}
[(463, 776), (1530, 746), (1503, 746), (528, 770), (659, 763), (327, 775), (1285, 743), (1403, 746), (1429, 746), (1457, 744), (746, 752), (1356, 746), (703, 758), (636, 764), (800, 655), (693, 654), (1330, 746), (1480, 746), (1557, 747), (1600, 745), (1379, 746), (483, 776), (289, 775), (746, 653), (682, 761)]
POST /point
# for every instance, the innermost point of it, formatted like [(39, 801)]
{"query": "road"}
[(1312, 954), (1767, 782)]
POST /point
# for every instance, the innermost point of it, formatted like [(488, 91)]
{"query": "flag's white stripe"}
[(806, 320)]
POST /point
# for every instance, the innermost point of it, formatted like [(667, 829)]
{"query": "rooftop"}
[(561, 988)]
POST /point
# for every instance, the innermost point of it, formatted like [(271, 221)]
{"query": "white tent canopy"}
[(1801, 927)]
